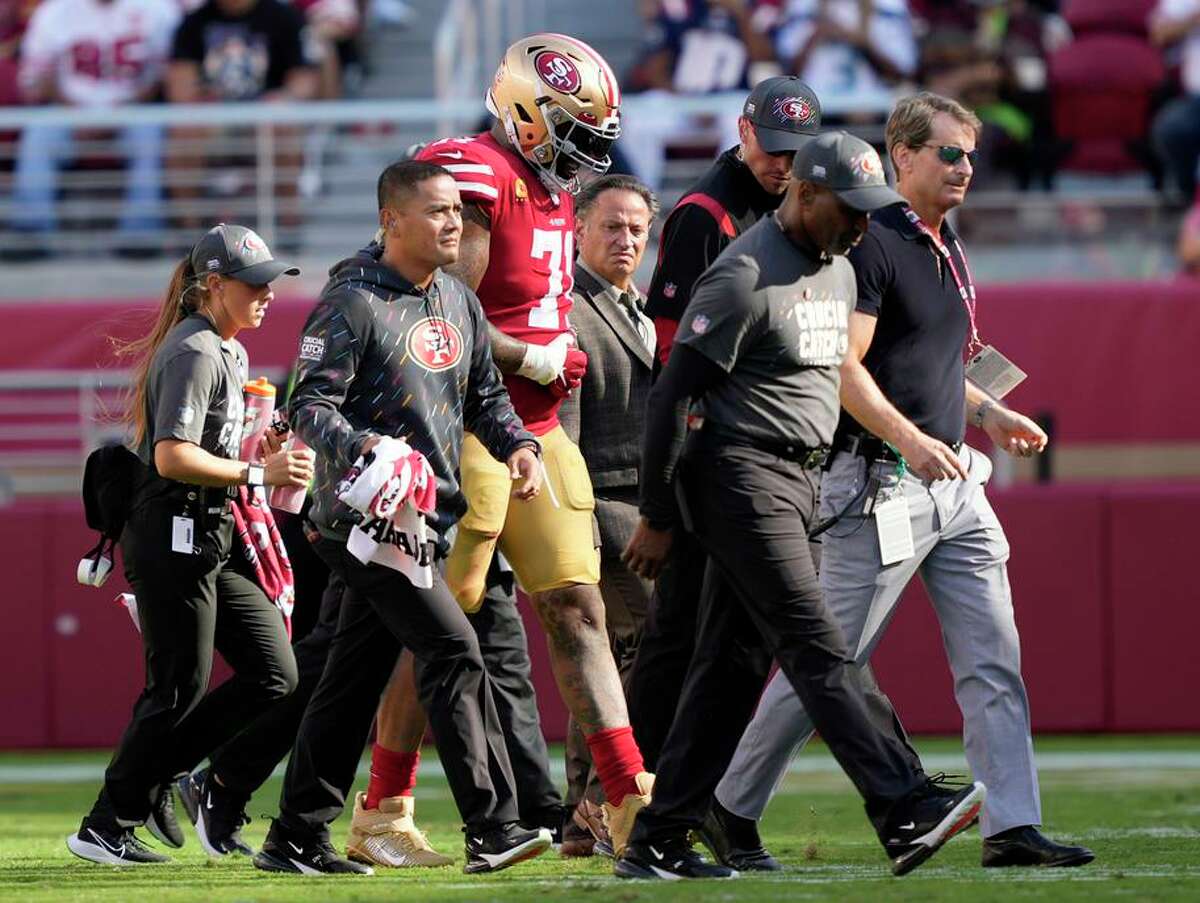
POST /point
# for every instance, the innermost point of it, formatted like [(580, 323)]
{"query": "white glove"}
[(544, 363)]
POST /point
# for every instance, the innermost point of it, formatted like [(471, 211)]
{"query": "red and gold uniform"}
[(526, 289), (525, 191)]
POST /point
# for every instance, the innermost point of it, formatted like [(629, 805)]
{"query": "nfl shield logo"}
[(699, 324), (669, 290)]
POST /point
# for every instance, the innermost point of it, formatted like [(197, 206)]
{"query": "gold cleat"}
[(620, 819), (388, 836)]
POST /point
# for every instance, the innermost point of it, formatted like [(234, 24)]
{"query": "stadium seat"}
[(10, 96), (1107, 16), (1101, 87)]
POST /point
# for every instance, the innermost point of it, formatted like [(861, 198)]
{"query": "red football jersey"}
[(526, 290)]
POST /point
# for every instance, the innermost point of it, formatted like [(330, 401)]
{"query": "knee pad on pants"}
[(467, 567)]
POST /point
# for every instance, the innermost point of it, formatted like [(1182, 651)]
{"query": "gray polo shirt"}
[(774, 318), (194, 390)]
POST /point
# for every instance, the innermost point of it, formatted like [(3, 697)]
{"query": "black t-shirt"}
[(916, 355), (695, 234), (242, 57)]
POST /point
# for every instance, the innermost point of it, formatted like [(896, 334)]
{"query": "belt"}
[(872, 447), (809, 457)]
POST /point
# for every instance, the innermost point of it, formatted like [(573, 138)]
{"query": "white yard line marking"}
[(70, 773)]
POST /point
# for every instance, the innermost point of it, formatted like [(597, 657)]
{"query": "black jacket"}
[(697, 231), (381, 356)]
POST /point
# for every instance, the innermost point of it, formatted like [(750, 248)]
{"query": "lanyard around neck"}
[(966, 287)]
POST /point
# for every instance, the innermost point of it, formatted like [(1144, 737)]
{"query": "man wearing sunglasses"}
[(903, 494)]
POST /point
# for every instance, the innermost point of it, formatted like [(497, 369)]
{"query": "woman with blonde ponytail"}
[(186, 412)]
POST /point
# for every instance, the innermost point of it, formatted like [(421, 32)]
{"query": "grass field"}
[(1134, 800)]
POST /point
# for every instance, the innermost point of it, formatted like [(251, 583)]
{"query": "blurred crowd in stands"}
[(1101, 87), (105, 53)]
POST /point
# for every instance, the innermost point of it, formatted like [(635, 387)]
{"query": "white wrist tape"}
[(544, 363)]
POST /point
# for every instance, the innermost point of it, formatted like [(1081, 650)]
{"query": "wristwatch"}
[(255, 474), (981, 412)]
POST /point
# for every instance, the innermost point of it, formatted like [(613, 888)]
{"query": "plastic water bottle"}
[(290, 498), (260, 404)]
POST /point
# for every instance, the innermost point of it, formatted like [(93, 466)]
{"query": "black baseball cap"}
[(847, 166), (238, 252), (785, 113)]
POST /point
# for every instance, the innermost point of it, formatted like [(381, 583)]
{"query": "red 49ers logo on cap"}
[(793, 109), (867, 166), (435, 344), (557, 71), (251, 244)]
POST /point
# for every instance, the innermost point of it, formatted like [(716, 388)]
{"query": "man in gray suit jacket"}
[(604, 416)]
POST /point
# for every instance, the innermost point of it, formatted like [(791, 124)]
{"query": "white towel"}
[(400, 540)]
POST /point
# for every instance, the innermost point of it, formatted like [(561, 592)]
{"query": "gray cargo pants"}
[(961, 554)]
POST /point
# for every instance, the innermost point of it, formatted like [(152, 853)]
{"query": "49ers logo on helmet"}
[(793, 109), (435, 344), (557, 71)]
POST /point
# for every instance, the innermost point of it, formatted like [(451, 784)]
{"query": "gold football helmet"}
[(558, 101)]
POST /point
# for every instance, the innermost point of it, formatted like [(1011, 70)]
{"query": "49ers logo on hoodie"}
[(435, 344)]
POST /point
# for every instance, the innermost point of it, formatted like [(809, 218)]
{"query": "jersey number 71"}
[(559, 244)]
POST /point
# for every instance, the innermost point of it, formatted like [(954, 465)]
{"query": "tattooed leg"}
[(573, 618)]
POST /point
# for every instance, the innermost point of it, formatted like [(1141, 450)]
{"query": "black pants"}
[(382, 613), (246, 761), (666, 647), (761, 600), (502, 641), (188, 605)]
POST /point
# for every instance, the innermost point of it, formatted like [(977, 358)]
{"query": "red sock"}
[(617, 760), (392, 774)]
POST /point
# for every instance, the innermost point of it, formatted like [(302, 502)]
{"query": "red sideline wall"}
[(1098, 355), (1102, 577), (1105, 595)]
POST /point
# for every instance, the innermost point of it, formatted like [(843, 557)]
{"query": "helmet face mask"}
[(558, 101), (579, 142)]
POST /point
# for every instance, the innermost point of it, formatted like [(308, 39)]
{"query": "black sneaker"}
[(919, 824), (111, 845), (161, 822), (217, 812), (734, 841), (671, 859), (552, 819), (501, 847), (295, 855)]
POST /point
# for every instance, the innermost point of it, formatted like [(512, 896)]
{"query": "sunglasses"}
[(949, 154)]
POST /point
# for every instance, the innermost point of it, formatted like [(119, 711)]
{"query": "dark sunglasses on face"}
[(949, 154)]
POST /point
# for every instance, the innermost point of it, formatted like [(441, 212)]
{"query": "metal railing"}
[(316, 198), (302, 174), (469, 41), (251, 163), (50, 420)]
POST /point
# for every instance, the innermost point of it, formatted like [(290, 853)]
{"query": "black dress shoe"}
[(734, 841), (1028, 846)]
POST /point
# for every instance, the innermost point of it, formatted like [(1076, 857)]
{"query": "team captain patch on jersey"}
[(526, 290)]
